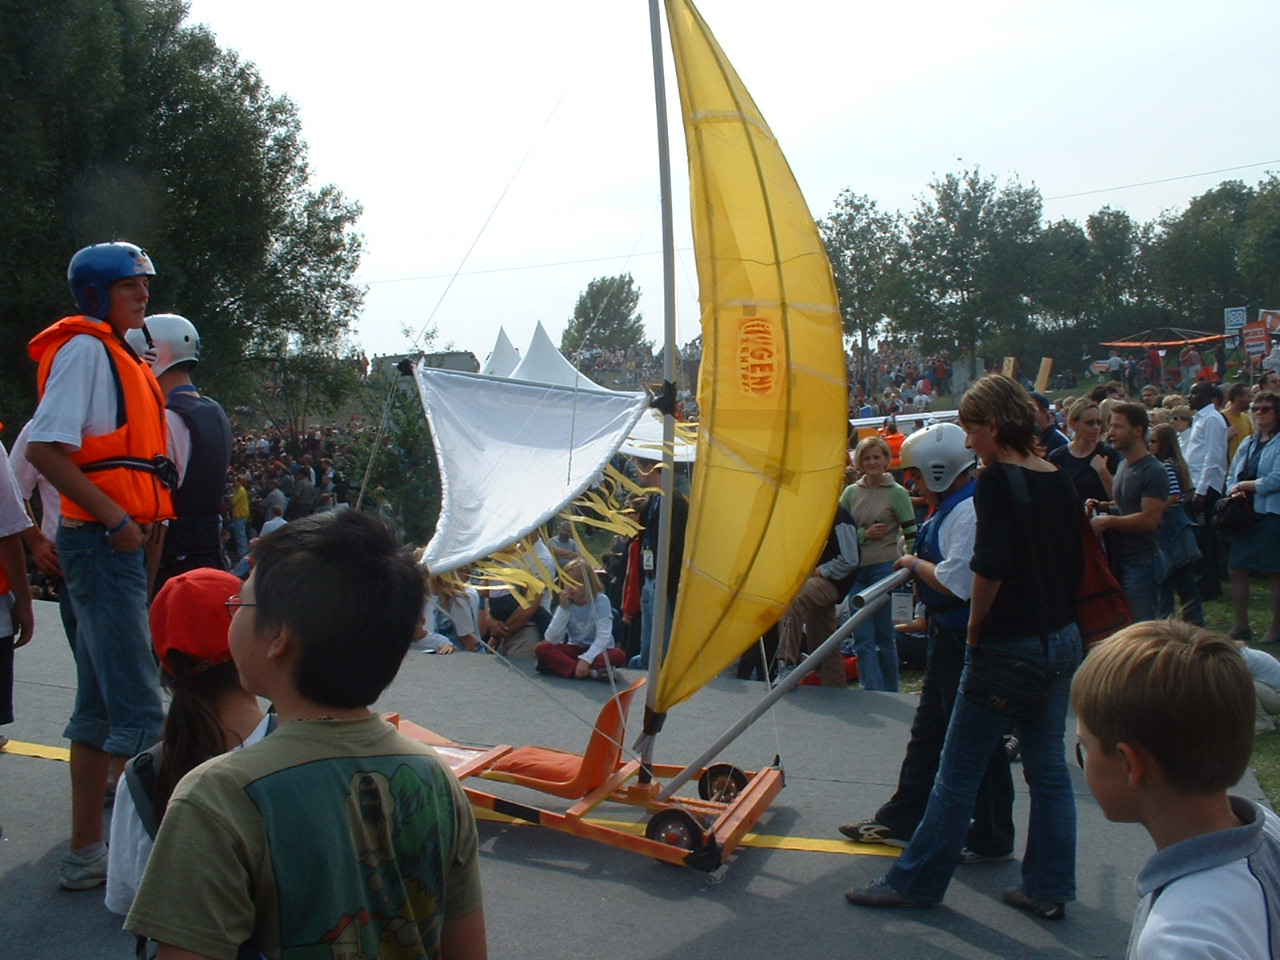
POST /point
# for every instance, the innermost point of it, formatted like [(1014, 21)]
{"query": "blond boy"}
[(1165, 721)]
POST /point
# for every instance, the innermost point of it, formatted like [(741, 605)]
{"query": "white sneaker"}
[(77, 873)]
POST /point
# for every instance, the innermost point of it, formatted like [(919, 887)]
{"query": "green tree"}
[(121, 122), (1121, 290), (396, 465), (299, 383), (1260, 247), (865, 246), (605, 318), (971, 249), (1193, 257), (1065, 280)]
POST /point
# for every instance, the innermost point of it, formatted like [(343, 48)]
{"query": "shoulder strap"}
[(140, 775), (122, 413)]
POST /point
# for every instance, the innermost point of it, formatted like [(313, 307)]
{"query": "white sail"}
[(513, 454)]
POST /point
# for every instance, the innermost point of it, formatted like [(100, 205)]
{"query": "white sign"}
[(1235, 318)]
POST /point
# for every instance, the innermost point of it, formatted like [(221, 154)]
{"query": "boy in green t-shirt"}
[(336, 833)]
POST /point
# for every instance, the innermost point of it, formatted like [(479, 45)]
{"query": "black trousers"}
[(1209, 571), (991, 832)]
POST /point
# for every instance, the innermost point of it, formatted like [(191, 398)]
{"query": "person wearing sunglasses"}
[(1255, 472), (1090, 463)]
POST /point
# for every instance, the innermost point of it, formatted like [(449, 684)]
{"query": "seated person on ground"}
[(512, 626), (1165, 721), (336, 834), (580, 638)]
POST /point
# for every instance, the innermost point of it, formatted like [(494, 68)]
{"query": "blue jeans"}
[(240, 535), (641, 660), (117, 706), (874, 642), (925, 867), (1140, 579)]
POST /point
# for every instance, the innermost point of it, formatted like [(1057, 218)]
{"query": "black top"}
[(1083, 476), (1003, 551)]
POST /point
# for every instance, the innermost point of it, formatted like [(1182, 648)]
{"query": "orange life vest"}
[(125, 464)]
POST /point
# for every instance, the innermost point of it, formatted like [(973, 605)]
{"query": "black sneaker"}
[(878, 893), (868, 831), (1044, 909)]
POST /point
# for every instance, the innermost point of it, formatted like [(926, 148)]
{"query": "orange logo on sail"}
[(757, 356)]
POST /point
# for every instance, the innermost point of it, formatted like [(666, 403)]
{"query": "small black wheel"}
[(721, 782), (676, 828)]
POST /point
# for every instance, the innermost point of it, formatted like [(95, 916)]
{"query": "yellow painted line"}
[(765, 841), (37, 750)]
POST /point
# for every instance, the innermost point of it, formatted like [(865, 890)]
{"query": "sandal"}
[(1244, 636)]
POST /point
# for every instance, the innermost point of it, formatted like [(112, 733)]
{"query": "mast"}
[(666, 399)]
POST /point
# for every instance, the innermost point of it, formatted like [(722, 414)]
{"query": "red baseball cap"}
[(190, 614)]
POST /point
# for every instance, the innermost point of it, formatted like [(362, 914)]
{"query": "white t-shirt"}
[(30, 479), (130, 846), (79, 396), (13, 519), (179, 445)]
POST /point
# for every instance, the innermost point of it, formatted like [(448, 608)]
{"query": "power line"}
[(1148, 183), (527, 266)]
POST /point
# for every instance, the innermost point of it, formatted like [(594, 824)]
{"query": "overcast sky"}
[(512, 143)]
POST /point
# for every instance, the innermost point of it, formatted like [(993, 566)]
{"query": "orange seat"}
[(571, 775)]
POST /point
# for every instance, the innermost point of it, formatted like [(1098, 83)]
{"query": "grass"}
[(1218, 616)]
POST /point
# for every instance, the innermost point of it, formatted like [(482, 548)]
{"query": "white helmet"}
[(939, 453), (165, 339)]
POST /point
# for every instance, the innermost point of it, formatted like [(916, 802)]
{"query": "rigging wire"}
[(394, 384), (1149, 183)]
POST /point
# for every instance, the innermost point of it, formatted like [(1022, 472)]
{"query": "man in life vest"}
[(199, 446), (98, 435)]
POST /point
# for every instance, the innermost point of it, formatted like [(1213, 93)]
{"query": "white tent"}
[(503, 358), (543, 363)]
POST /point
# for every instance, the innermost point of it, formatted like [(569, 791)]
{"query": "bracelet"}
[(119, 526), (914, 565)]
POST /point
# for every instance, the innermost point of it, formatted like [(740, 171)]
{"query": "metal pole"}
[(867, 602), (662, 571)]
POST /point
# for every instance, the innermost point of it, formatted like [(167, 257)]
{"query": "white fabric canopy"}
[(503, 358), (513, 454), (645, 440)]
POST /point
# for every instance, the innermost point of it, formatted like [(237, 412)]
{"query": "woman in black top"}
[(1088, 461), (1026, 561)]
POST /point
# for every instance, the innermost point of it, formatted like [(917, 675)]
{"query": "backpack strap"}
[(140, 775)]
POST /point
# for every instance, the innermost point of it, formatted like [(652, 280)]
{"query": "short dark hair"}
[(1237, 390), (351, 596), (1135, 413)]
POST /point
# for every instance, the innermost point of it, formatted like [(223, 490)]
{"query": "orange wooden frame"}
[(600, 775)]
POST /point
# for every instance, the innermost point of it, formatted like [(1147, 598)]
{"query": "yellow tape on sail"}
[(771, 442)]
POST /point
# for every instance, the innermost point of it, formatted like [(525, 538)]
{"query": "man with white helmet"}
[(938, 456), (199, 444), (98, 435)]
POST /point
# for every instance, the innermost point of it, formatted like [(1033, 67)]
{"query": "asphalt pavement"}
[(552, 895)]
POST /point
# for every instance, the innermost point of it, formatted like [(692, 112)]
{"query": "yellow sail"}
[(771, 444)]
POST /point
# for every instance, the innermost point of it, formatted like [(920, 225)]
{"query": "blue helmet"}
[(92, 269)]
